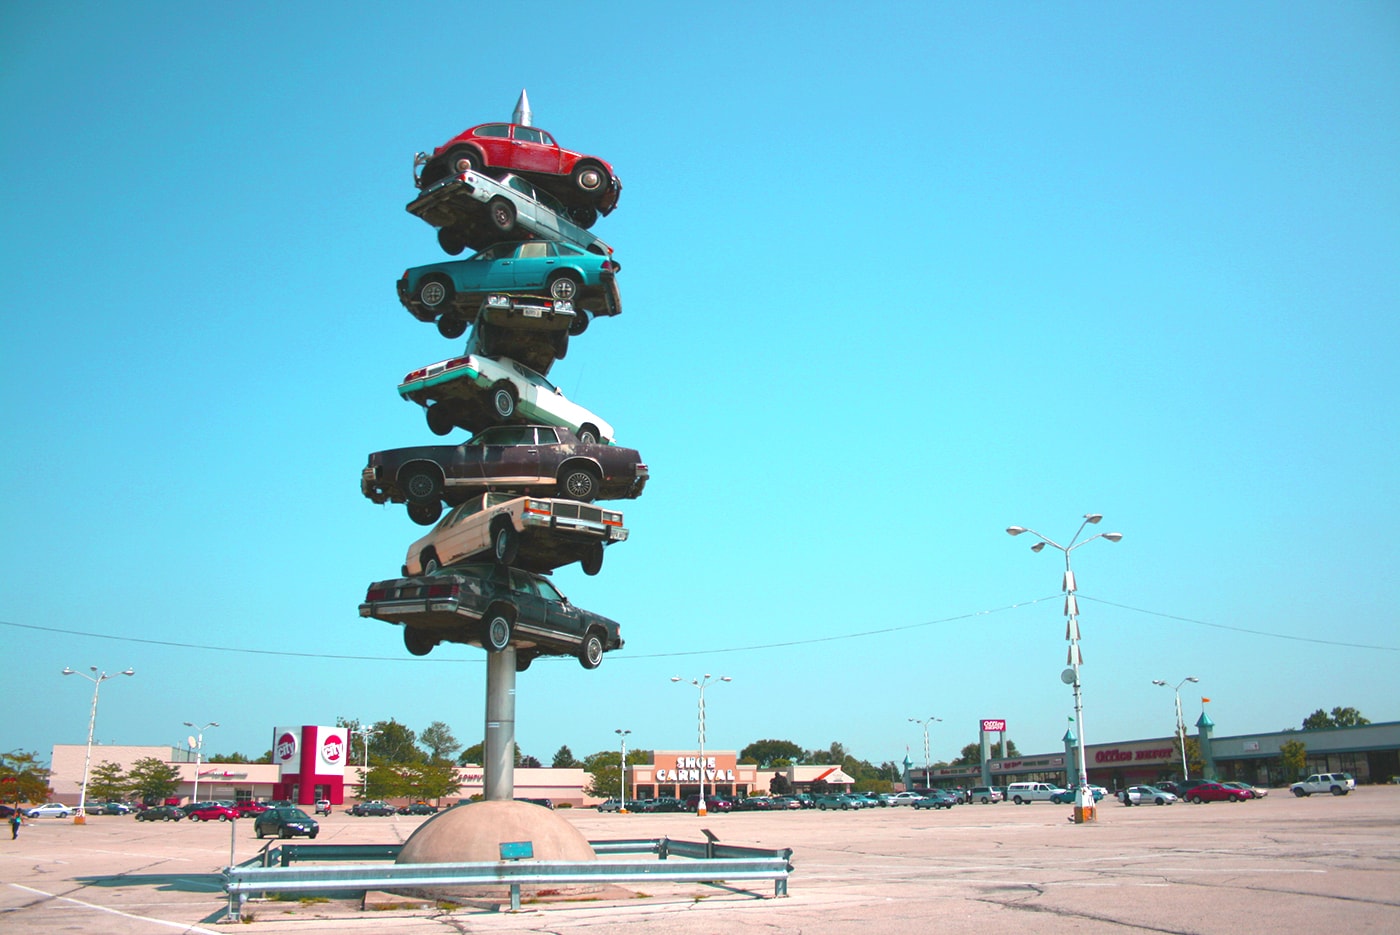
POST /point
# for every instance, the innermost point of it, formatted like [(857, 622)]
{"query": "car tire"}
[(421, 484), (417, 641), (440, 421), (312, 835), (428, 561), (580, 323), (1017, 800), (451, 241), (283, 833), (258, 832), (1338, 790), (591, 653), (498, 630), (504, 399), (462, 160), (165, 818), (1300, 793), (505, 542), (1161, 801), (579, 483), (986, 801), (434, 293), (451, 327), (1196, 800), (564, 287), (591, 178), (425, 514), (588, 433), (584, 217), (592, 561), (502, 215), (523, 660)]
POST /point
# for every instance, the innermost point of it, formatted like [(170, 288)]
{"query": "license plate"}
[(534, 313)]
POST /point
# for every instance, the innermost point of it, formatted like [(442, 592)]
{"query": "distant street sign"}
[(994, 725)]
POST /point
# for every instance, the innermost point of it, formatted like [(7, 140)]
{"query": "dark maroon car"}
[(1213, 792), (585, 184), (526, 459)]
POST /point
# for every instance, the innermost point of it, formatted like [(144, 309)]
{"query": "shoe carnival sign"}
[(692, 768)]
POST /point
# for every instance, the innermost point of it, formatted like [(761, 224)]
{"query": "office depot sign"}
[(991, 725)]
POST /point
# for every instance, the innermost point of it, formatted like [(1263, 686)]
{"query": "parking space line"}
[(182, 926)]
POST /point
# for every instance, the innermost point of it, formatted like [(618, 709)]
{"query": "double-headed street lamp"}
[(1084, 798), (622, 800), (198, 743), (1180, 722), (700, 683), (925, 723), (96, 679), (365, 731)]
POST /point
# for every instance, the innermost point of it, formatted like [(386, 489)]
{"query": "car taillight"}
[(536, 506), (442, 590), (612, 519), (415, 375), (376, 594), (459, 362)]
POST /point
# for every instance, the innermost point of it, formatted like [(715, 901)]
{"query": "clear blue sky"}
[(893, 281)]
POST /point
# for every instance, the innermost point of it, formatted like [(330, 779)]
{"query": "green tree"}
[(228, 758), (605, 778), (153, 780), (384, 781), (431, 780), (395, 743), (1194, 759), (107, 783), (1318, 720), (564, 759), (22, 779), (972, 753), (1294, 754), (765, 752), (437, 737), (473, 754), (1348, 717)]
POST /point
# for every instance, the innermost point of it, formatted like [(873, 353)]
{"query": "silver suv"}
[(1335, 783)]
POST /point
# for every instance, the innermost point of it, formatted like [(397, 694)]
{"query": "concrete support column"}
[(986, 752), (499, 757)]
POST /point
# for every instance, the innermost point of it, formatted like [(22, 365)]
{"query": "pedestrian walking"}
[(14, 825)]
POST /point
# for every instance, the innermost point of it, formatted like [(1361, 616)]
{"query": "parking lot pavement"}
[(1276, 865)]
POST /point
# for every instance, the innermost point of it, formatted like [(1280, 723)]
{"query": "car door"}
[(465, 532), (562, 617), (491, 270), (532, 616), (499, 454), (534, 262), (533, 150)]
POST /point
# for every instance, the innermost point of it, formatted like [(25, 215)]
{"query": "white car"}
[(1146, 795), (50, 810), (905, 798), (474, 210), (474, 392)]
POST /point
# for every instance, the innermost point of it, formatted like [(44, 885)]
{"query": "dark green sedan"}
[(285, 822)]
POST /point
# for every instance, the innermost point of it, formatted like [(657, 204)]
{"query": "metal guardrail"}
[(704, 863)]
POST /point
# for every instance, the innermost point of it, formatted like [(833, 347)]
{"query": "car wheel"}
[(463, 160), (258, 832), (580, 323), (440, 421), (1338, 790), (223, 818), (590, 177), (1299, 793), (425, 514), (505, 543), (429, 562), (417, 641), (451, 241), (421, 484), (502, 215), (985, 800), (563, 286), (503, 400), (592, 560), (283, 833), (1196, 800), (591, 655), (498, 629), (1017, 800), (523, 660), (451, 327), (434, 292), (580, 484), (1161, 801), (165, 818), (584, 217), (588, 434)]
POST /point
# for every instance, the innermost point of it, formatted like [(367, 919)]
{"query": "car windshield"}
[(292, 814), (505, 435)]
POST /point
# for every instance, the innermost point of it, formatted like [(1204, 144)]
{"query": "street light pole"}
[(1084, 799), (700, 683), (96, 679), (622, 802), (365, 732), (198, 751), (1180, 721), (925, 723)]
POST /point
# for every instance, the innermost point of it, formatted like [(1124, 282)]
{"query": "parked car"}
[(937, 798), (905, 798), (986, 795), (455, 292), (1068, 796), (586, 183), (286, 822), (160, 813), (50, 810), (713, 803), (473, 210), (249, 809), (1255, 792), (418, 808), (323, 807), (114, 808), (1024, 793), (1243, 789), (664, 803), (786, 803), (524, 459), (491, 606), (535, 533), (1213, 792), (1143, 795), (610, 805), (836, 800), (754, 803), (211, 811), (1335, 783), (474, 391), (865, 799), (374, 807)]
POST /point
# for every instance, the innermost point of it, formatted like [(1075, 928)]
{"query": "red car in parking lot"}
[(212, 812), (1214, 792)]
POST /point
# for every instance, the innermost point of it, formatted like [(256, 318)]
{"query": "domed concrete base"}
[(474, 834)]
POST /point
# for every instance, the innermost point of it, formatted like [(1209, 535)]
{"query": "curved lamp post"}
[(199, 750), (1180, 722), (96, 679), (1084, 799), (700, 683), (924, 724), (622, 763)]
